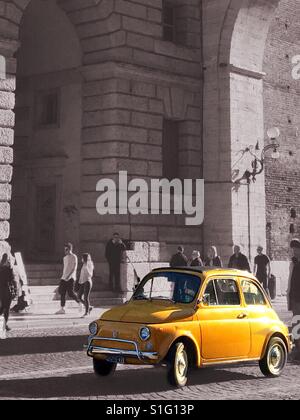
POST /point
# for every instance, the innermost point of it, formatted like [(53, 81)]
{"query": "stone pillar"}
[(234, 36), (7, 120)]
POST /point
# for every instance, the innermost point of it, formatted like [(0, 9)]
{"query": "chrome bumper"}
[(136, 353)]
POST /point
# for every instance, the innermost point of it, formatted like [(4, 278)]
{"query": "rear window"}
[(252, 294)]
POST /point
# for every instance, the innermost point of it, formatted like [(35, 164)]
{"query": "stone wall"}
[(125, 103)]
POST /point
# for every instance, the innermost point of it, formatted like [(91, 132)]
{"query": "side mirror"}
[(206, 299)]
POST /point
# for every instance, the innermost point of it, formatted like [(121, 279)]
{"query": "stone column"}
[(234, 35)]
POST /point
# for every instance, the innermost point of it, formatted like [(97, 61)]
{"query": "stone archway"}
[(45, 206), (234, 42), (92, 20)]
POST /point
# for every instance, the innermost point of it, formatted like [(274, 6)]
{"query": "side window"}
[(252, 294), (210, 294), (227, 292)]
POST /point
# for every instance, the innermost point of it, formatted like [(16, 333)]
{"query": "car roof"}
[(209, 271)]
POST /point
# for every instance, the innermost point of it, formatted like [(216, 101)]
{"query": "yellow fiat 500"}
[(187, 318)]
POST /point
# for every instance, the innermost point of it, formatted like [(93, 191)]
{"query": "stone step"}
[(53, 307), (43, 267), (46, 281), (50, 292), (50, 274), (43, 281), (42, 297)]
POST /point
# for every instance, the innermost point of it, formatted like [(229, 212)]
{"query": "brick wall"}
[(282, 109)]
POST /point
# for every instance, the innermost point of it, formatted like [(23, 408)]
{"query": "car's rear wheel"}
[(275, 358), (178, 365), (104, 368)]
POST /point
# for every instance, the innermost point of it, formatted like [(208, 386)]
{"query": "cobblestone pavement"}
[(50, 363)]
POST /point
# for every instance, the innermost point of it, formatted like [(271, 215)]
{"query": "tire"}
[(104, 368), (178, 365), (275, 358)]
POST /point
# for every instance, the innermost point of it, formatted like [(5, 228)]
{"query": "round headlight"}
[(93, 328), (145, 333)]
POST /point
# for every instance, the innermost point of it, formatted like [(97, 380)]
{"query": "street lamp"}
[(258, 163), (257, 168)]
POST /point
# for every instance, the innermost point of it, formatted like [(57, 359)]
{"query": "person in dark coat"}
[(196, 259), (262, 268), (239, 261), (179, 259), (8, 287), (115, 249), (294, 288), (212, 259)]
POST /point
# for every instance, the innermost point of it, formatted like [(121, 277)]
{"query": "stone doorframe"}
[(235, 33)]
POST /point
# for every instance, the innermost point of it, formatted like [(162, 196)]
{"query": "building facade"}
[(175, 89)]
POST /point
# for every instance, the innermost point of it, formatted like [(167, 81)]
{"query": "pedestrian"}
[(212, 259), (114, 251), (8, 288), (262, 267), (68, 279), (179, 259), (294, 289), (86, 282), (196, 260), (238, 260)]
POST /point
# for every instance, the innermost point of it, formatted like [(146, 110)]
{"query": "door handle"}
[(242, 316)]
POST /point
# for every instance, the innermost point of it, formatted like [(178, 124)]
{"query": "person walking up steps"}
[(68, 278), (86, 282)]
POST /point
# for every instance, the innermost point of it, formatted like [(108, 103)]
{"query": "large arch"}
[(45, 205), (234, 45)]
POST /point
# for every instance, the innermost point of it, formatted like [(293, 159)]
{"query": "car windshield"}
[(170, 286)]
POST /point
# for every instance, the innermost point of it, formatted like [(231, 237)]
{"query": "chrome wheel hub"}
[(276, 359), (182, 364)]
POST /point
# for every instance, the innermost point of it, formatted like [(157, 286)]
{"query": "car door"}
[(224, 324), (260, 314)]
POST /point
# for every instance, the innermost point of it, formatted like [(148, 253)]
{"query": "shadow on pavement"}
[(134, 382), (41, 345)]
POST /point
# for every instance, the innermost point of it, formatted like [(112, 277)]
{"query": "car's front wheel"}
[(104, 368), (275, 358), (178, 365)]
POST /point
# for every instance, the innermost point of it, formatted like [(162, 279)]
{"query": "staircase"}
[(43, 281)]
